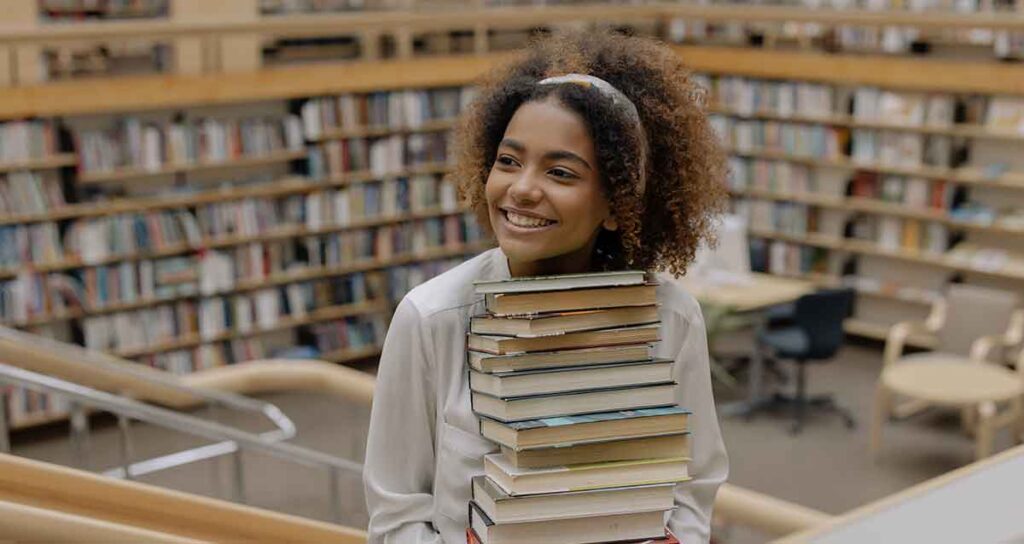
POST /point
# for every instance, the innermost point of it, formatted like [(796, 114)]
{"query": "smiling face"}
[(544, 195)]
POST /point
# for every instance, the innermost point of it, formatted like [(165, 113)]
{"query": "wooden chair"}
[(970, 325)]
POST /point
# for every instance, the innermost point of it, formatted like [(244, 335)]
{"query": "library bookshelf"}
[(287, 86)]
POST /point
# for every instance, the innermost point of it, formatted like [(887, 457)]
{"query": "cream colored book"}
[(612, 528), (562, 380), (668, 445), (564, 322), (586, 428), (574, 403), (505, 345), (486, 362), (528, 481)]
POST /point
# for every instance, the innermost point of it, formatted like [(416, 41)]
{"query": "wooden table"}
[(982, 502), (751, 294)]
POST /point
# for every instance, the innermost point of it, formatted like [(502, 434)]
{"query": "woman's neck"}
[(576, 262)]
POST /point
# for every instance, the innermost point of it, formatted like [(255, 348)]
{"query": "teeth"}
[(527, 222)]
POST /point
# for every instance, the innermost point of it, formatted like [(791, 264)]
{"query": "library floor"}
[(826, 467)]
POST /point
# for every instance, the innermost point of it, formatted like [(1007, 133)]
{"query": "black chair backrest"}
[(821, 316)]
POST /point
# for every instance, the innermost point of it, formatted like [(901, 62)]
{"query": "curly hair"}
[(685, 167)]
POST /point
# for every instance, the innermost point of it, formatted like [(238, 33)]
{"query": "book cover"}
[(561, 282)]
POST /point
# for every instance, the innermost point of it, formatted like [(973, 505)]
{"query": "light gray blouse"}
[(424, 444)]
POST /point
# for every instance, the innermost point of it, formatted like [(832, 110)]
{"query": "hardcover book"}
[(561, 282), (505, 345), (503, 304), (486, 362), (591, 530), (564, 322), (518, 481), (561, 380), (667, 445), (574, 403), (586, 428)]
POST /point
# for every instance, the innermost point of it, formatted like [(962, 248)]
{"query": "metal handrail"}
[(231, 440)]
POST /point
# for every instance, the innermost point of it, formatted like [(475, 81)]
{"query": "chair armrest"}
[(897, 338), (981, 349)]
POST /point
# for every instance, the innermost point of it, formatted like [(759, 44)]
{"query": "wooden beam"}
[(902, 73)]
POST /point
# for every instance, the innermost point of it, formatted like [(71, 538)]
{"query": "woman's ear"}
[(610, 223)]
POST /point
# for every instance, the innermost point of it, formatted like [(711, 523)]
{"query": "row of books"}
[(29, 192), (102, 9), (96, 240), (380, 156), (340, 207), (138, 144), (784, 177), (805, 140), (393, 240), (278, 7), (782, 217), (25, 140), (785, 258), (394, 110), (750, 96), (905, 149), (894, 233), (563, 378), (747, 96), (98, 288), (915, 192)]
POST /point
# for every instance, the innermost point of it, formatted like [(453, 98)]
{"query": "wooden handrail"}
[(272, 375), (501, 17), (765, 513), (27, 523), (148, 508)]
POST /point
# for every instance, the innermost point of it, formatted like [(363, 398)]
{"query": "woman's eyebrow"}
[(561, 154), (567, 155)]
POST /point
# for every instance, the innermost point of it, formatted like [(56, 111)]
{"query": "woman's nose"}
[(526, 189)]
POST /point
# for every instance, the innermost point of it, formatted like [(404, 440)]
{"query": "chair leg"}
[(1017, 427), (969, 420), (800, 401), (984, 432), (883, 400)]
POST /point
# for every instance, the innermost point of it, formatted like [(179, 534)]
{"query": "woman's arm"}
[(399, 468), (691, 521)]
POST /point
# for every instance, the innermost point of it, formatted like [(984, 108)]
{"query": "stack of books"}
[(592, 441)]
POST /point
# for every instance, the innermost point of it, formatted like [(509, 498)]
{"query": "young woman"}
[(591, 152)]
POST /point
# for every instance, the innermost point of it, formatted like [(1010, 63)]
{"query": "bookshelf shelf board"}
[(347, 355), (879, 207), (91, 178), (974, 131), (436, 125), (870, 248), (318, 272), (285, 323), (897, 73), (310, 273), (284, 233), (59, 160), (154, 92), (965, 175)]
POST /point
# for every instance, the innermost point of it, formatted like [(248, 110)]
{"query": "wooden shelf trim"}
[(274, 280), (282, 233), (294, 25), (284, 323), (59, 160), (864, 247), (125, 174), (963, 130), (154, 92), (879, 207)]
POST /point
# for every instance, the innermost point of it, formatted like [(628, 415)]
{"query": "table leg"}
[(755, 399)]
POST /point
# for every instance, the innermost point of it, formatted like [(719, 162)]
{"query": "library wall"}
[(290, 222)]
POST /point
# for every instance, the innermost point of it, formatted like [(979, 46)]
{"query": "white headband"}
[(621, 101)]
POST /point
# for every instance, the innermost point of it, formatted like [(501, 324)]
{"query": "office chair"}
[(815, 336)]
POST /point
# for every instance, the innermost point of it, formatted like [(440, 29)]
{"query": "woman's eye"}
[(561, 173), (505, 160)]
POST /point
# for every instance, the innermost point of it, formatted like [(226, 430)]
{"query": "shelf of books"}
[(162, 243), (230, 223)]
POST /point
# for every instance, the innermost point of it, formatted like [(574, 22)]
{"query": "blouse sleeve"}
[(691, 521), (399, 469)]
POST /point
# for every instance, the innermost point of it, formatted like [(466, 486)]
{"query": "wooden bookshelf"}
[(284, 323), (967, 175), (126, 174), (51, 162), (962, 130), (879, 207), (437, 125), (283, 233), (274, 280)]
